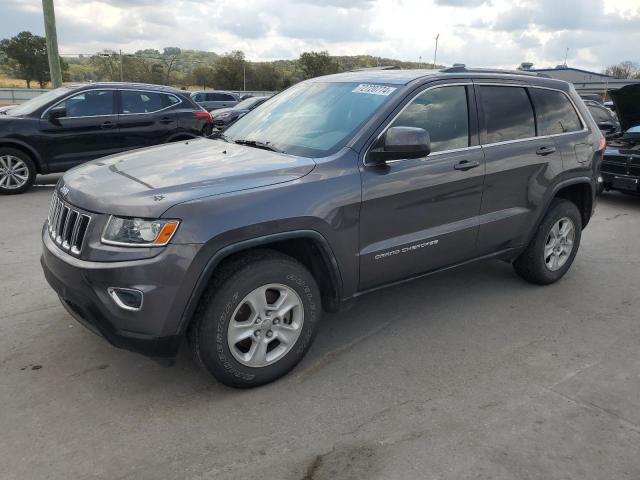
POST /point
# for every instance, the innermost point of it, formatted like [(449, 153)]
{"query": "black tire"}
[(31, 169), (231, 284), (531, 264)]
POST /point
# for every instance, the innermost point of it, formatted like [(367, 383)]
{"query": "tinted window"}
[(599, 114), (88, 104), (220, 97), (144, 102), (198, 97), (443, 113), (508, 113), (555, 112)]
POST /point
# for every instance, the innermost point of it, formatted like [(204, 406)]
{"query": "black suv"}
[(621, 166), (334, 188), (70, 125)]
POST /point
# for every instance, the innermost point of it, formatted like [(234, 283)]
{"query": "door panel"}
[(418, 215), (87, 128), (145, 118), (517, 179)]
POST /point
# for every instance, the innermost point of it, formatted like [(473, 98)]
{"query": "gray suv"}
[(337, 187)]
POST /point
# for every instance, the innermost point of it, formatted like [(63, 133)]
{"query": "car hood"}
[(627, 102), (146, 182), (233, 111)]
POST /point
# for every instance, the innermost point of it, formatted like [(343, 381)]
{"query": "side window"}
[(555, 112), (88, 104), (599, 114), (170, 100), (142, 102), (228, 98), (443, 112), (198, 97), (508, 114)]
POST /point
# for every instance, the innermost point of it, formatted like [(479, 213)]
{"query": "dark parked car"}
[(224, 117), (215, 99), (337, 187), (621, 166), (67, 126), (605, 119)]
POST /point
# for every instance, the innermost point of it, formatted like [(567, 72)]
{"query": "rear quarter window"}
[(508, 113), (555, 112)]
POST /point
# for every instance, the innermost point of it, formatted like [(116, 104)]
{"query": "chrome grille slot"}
[(67, 226)]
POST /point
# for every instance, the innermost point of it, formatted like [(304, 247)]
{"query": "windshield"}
[(30, 106), (311, 119)]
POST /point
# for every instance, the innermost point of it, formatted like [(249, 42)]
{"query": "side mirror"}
[(400, 143), (56, 113)]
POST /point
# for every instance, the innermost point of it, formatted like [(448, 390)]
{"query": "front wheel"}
[(257, 319), (554, 246), (17, 171)]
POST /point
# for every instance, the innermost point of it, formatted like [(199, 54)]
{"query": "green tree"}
[(27, 58), (315, 64), (203, 75), (229, 71)]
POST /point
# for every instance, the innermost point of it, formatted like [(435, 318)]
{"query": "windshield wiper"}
[(257, 144)]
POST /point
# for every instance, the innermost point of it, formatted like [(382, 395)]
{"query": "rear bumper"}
[(154, 330)]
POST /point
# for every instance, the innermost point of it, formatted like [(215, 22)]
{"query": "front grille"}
[(67, 226), (614, 167)]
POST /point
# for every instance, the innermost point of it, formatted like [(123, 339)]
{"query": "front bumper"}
[(166, 281), (616, 181)]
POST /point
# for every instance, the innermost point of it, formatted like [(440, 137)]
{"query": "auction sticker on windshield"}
[(374, 89)]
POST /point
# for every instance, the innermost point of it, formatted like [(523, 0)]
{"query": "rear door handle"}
[(465, 165), (542, 151), (107, 125)]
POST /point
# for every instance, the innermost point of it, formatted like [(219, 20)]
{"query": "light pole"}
[(52, 43), (435, 53)]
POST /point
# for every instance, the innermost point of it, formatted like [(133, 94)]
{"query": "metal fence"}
[(19, 95), (10, 96)]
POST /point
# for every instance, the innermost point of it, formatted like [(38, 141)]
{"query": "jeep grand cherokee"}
[(339, 186)]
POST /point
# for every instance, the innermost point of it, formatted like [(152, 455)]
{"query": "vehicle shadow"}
[(620, 200)]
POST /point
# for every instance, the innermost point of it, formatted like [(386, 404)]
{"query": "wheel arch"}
[(309, 247), (580, 192), (27, 150)]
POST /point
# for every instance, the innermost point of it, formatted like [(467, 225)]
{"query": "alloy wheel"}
[(559, 244), (265, 325), (14, 172)]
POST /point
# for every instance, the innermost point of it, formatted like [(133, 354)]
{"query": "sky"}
[(489, 33)]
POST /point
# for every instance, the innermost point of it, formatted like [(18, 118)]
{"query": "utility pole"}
[(121, 76), (566, 55), (244, 75), (435, 53), (52, 43)]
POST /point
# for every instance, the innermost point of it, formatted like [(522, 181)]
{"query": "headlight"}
[(223, 115), (139, 232)]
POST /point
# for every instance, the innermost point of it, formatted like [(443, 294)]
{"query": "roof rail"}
[(463, 69), (383, 67)]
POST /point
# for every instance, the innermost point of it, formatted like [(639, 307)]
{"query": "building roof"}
[(561, 69)]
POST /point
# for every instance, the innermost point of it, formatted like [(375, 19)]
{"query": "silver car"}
[(215, 99)]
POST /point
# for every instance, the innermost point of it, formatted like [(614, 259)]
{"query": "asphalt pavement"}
[(469, 374)]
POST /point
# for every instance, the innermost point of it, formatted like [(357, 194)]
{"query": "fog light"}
[(126, 298)]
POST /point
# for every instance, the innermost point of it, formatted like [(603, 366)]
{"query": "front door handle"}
[(542, 151), (465, 165), (107, 125)]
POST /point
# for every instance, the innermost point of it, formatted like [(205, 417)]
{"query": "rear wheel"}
[(17, 171), (257, 320), (554, 246)]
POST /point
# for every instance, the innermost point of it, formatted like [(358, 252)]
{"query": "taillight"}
[(603, 144), (204, 115)]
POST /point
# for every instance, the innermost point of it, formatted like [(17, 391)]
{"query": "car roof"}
[(405, 77), (124, 85)]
